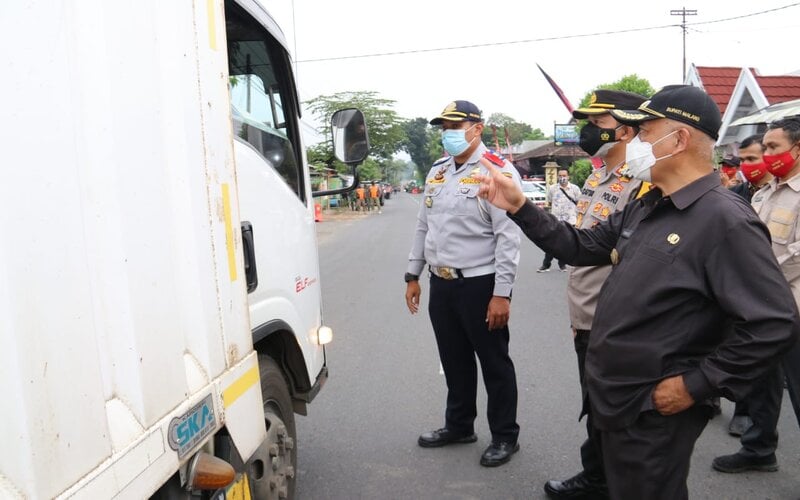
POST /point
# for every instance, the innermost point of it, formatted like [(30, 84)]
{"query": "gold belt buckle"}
[(447, 273)]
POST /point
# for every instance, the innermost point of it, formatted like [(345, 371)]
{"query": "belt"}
[(451, 273)]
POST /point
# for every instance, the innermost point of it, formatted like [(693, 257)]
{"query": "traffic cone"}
[(317, 212)]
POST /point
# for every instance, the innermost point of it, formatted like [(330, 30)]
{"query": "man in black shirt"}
[(677, 322)]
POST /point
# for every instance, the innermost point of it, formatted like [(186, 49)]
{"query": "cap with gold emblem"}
[(684, 103), (602, 101), (459, 111)]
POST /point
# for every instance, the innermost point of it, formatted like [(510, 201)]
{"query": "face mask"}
[(597, 141), (563, 180), (753, 172), (779, 165), (454, 141), (640, 158), (729, 171)]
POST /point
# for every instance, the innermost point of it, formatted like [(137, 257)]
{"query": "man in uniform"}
[(472, 250), (562, 198), (677, 322), (607, 190), (778, 205), (751, 156)]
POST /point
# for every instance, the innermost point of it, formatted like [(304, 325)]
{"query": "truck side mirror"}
[(349, 132)]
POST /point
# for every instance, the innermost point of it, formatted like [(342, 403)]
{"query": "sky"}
[(500, 75)]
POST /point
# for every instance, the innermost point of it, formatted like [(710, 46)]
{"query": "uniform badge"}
[(614, 256), (428, 202), (673, 238), (494, 158), (616, 187), (440, 174)]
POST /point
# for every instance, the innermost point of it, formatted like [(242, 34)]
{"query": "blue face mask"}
[(454, 141)]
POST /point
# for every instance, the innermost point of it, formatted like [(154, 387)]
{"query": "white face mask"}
[(640, 158)]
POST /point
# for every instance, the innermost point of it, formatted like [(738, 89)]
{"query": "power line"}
[(544, 39)]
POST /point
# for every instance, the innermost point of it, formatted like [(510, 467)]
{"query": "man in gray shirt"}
[(472, 250)]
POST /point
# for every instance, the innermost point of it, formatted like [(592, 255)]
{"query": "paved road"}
[(359, 439)]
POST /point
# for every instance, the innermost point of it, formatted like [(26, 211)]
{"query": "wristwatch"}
[(411, 277)]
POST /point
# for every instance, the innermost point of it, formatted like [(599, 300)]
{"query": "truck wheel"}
[(281, 434)]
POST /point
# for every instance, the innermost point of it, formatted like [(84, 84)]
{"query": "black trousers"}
[(650, 458), (764, 405), (591, 456), (457, 310), (548, 261)]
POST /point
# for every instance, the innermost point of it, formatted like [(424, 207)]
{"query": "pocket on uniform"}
[(781, 225), (466, 199), (663, 257)]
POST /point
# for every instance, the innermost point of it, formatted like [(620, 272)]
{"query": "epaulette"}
[(494, 157), (441, 160)]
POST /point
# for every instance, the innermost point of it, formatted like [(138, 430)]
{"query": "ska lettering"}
[(610, 198)]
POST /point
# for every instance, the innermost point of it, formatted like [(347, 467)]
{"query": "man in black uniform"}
[(677, 322)]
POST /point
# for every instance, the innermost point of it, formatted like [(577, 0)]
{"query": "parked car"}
[(535, 192)]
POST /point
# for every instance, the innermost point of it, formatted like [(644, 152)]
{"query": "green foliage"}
[(629, 83), (517, 131), (579, 171), (384, 126), (418, 141)]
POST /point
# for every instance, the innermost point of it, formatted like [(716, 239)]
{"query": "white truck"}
[(159, 280)]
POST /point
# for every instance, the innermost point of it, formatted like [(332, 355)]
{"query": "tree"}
[(418, 142), (384, 127), (579, 171), (629, 83), (517, 131)]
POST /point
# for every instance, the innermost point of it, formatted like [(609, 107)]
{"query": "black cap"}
[(733, 161), (459, 111), (603, 101), (684, 103)]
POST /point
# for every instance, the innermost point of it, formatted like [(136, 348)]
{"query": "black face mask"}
[(593, 138)]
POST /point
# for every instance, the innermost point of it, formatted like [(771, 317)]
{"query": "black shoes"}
[(577, 487), (741, 463), (739, 425), (498, 453), (542, 269), (444, 436)]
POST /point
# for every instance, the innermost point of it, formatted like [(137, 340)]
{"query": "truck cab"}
[(161, 293)]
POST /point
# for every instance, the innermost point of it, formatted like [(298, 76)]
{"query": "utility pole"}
[(683, 13)]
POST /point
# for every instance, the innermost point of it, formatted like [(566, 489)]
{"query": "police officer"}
[(778, 205), (607, 190), (677, 322), (472, 250)]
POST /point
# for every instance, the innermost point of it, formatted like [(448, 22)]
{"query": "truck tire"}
[(281, 433)]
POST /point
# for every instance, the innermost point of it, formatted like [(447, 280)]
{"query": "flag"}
[(557, 89)]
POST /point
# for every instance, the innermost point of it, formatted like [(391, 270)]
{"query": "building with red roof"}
[(740, 92)]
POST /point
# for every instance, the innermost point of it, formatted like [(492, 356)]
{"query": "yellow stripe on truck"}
[(229, 243), (212, 24), (240, 386)]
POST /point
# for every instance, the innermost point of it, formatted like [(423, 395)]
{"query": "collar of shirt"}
[(793, 182), (687, 195), (474, 158)]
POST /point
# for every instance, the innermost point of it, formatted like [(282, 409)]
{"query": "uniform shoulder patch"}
[(441, 160), (494, 157)]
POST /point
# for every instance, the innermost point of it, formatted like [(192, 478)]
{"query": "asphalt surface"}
[(385, 388)]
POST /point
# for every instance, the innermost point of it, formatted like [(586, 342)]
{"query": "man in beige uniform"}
[(778, 205), (606, 190)]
